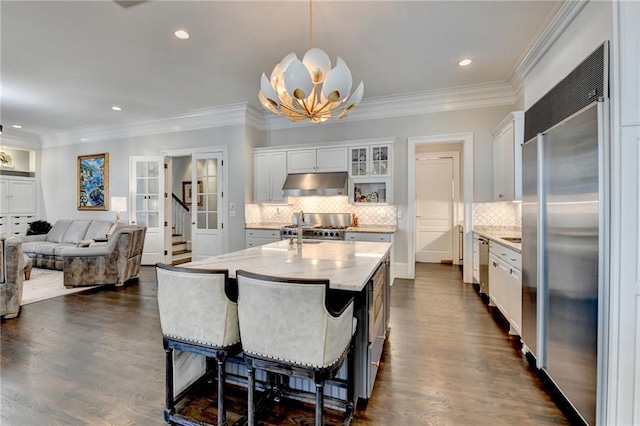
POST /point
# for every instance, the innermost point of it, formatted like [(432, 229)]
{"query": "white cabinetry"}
[(505, 283), (367, 236), (508, 138), (317, 160), (17, 205), (258, 237), (476, 261), (269, 174)]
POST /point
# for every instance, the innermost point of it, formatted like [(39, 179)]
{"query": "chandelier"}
[(309, 89)]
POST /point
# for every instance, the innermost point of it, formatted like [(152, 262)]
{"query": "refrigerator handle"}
[(543, 294)]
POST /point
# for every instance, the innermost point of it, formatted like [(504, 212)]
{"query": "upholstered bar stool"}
[(198, 314), (288, 327)]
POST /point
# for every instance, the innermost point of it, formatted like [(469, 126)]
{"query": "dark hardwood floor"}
[(96, 358)]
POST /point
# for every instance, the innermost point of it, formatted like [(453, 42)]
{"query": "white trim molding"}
[(468, 97), (567, 13), (228, 115)]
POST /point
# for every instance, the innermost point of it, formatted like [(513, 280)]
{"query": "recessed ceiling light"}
[(464, 62), (182, 35), (17, 126), (83, 139), (116, 108)]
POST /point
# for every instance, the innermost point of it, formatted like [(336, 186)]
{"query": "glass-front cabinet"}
[(370, 160)]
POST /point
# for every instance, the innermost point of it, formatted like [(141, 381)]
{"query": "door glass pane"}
[(141, 169), (211, 185), (154, 186), (212, 203), (141, 219), (202, 221), (212, 167), (153, 220), (213, 220), (141, 186), (141, 203), (153, 169), (153, 203), (201, 167)]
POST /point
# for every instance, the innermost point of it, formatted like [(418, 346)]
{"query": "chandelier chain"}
[(310, 24)]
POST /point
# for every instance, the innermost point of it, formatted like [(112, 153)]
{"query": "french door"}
[(147, 187), (208, 205)]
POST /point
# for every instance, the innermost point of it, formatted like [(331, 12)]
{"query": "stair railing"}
[(181, 218)]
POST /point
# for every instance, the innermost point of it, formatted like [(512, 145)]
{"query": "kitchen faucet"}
[(300, 220)]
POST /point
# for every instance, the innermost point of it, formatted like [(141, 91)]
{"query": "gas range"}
[(318, 226), (316, 233)]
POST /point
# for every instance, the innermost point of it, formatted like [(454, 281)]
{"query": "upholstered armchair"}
[(289, 327), (198, 314), (114, 262), (12, 263)]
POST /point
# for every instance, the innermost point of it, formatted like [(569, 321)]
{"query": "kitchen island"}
[(358, 268)]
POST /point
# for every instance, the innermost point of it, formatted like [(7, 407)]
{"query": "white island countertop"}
[(347, 264)]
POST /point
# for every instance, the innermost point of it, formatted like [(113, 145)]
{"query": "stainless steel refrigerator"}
[(562, 253)]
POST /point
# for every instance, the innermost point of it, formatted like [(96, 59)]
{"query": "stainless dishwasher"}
[(483, 253)]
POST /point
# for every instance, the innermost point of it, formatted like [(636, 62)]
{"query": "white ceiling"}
[(64, 64)]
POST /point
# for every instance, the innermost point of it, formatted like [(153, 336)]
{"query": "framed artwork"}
[(93, 182), (187, 193)]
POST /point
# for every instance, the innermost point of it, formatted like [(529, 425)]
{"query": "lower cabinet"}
[(505, 284), (258, 237), (13, 225), (367, 236)]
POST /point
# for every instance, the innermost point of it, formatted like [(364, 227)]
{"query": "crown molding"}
[(567, 13), (468, 97), (25, 140), (227, 115)]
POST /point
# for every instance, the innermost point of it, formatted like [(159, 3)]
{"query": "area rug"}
[(46, 284)]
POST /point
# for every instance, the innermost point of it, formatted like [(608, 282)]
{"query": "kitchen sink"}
[(512, 239)]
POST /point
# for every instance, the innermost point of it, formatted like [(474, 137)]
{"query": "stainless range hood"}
[(310, 184)]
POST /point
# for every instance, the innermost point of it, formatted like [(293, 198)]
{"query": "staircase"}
[(181, 232), (179, 251)]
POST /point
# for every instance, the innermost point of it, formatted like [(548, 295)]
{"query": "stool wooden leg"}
[(251, 406), (170, 402), (27, 275), (319, 403), (222, 413)]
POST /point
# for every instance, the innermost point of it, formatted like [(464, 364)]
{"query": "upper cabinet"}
[(370, 160), (269, 173), (317, 160), (508, 138)]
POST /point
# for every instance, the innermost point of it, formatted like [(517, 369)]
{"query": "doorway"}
[(466, 191), (436, 200)]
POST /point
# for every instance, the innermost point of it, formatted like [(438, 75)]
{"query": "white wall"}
[(479, 121), (58, 171), (181, 172)]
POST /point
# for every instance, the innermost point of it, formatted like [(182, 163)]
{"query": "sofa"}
[(12, 264), (112, 262), (45, 250)]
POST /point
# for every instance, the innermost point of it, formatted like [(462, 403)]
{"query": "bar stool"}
[(198, 314), (288, 327)]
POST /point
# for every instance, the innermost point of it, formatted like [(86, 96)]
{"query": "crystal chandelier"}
[(309, 89)]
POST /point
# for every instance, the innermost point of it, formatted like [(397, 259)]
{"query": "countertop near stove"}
[(265, 225), (347, 264), (378, 229)]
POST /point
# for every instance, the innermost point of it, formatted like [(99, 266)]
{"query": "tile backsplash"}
[(283, 213), (497, 214)]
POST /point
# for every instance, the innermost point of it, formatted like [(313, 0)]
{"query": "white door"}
[(146, 175), (207, 205), (434, 209)]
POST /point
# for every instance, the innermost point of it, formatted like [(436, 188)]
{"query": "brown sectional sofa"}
[(45, 251)]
